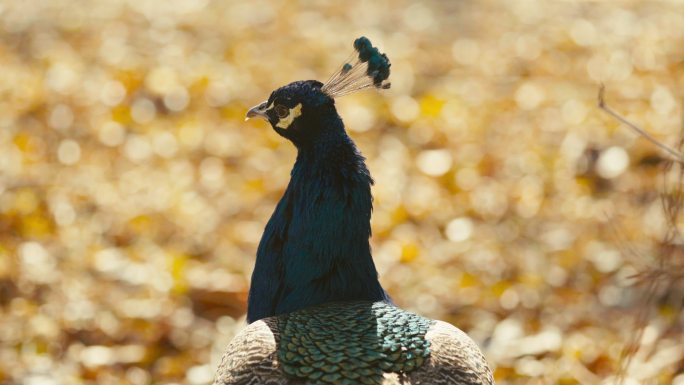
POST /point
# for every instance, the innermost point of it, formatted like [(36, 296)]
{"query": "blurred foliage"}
[(133, 195)]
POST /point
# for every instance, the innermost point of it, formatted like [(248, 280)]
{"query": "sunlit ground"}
[(133, 194)]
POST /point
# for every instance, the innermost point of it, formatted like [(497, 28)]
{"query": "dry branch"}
[(678, 156), (666, 272)]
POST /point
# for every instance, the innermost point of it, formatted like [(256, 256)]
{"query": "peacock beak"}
[(258, 110)]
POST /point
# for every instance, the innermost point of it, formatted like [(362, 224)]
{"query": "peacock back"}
[(349, 343)]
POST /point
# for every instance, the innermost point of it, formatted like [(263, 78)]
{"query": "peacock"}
[(317, 313)]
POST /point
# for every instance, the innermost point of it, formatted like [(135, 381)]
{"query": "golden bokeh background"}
[(133, 195)]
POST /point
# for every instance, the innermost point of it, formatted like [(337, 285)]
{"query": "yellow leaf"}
[(409, 252)]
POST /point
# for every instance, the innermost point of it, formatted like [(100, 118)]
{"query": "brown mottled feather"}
[(455, 359), (251, 358)]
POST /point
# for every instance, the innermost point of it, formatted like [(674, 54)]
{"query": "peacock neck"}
[(315, 248)]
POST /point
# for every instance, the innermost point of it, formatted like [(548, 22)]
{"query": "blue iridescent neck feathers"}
[(315, 248)]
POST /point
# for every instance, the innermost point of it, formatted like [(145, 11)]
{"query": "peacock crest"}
[(367, 67)]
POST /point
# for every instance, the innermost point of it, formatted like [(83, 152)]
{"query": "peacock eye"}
[(282, 111)]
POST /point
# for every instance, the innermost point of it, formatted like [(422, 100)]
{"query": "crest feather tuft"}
[(367, 68)]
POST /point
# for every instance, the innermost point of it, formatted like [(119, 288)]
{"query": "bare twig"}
[(678, 156), (666, 271)]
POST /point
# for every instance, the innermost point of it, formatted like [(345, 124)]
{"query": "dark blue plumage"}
[(317, 312), (315, 247)]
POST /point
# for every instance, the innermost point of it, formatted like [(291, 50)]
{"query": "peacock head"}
[(296, 110)]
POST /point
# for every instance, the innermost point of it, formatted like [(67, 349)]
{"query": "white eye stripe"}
[(294, 113)]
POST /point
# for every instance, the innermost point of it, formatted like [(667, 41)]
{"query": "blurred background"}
[(133, 194)]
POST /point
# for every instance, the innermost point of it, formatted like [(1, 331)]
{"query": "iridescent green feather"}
[(351, 343)]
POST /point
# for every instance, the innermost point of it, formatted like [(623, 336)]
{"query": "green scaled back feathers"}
[(351, 342)]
